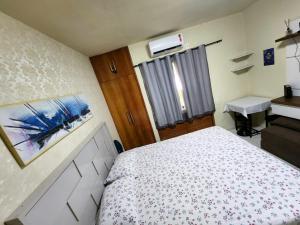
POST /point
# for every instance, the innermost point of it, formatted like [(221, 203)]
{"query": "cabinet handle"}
[(132, 118), (112, 67), (128, 114)]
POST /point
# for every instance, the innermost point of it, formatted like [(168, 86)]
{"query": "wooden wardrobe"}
[(121, 90)]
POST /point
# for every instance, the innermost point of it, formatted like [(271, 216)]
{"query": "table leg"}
[(235, 121), (266, 118), (250, 125)]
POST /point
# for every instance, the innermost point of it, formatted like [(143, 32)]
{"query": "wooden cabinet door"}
[(112, 65), (123, 61), (120, 87), (113, 93), (187, 127), (137, 110), (168, 132), (201, 123), (128, 110)]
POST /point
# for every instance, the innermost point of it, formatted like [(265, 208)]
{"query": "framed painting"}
[(31, 128)]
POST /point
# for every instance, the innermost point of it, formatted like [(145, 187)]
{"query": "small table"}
[(243, 109)]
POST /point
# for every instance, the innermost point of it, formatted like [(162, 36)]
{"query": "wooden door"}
[(137, 110), (112, 65), (113, 93), (120, 87)]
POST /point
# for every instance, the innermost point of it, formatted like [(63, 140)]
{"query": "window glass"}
[(179, 86)]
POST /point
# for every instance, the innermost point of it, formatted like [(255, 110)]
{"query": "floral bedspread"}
[(206, 177)]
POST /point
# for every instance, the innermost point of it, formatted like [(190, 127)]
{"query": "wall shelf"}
[(289, 36), (242, 56), (242, 68), (240, 62)]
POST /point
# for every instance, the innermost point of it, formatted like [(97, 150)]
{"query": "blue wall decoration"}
[(269, 57), (31, 128)]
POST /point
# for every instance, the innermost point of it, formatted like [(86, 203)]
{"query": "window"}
[(178, 84)]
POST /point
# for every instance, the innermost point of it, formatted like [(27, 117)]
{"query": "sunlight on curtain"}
[(179, 87)]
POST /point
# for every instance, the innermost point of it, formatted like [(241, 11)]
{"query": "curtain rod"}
[(206, 45)]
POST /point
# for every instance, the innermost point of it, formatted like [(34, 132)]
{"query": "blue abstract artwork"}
[(31, 128)]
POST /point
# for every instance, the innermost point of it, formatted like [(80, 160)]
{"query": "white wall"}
[(225, 84), (34, 66), (255, 29), (264, 22)]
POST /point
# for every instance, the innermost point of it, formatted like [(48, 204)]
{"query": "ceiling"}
[(97, 26)]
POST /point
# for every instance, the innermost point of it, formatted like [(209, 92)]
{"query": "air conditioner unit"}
[(165, 45)]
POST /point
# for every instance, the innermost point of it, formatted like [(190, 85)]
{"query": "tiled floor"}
[(255, 140)]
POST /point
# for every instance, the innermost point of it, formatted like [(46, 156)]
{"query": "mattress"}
[(206, 177)]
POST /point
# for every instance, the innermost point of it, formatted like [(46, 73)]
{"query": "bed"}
[(206, 177)]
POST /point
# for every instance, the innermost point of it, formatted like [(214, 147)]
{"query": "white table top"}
[(248, 105)]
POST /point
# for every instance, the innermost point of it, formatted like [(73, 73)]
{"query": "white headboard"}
[(71, 194)]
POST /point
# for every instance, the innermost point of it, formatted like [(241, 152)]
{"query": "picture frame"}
[(30, 129), (269, 58)]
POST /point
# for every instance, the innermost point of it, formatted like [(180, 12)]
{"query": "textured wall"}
[(34, 66)]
